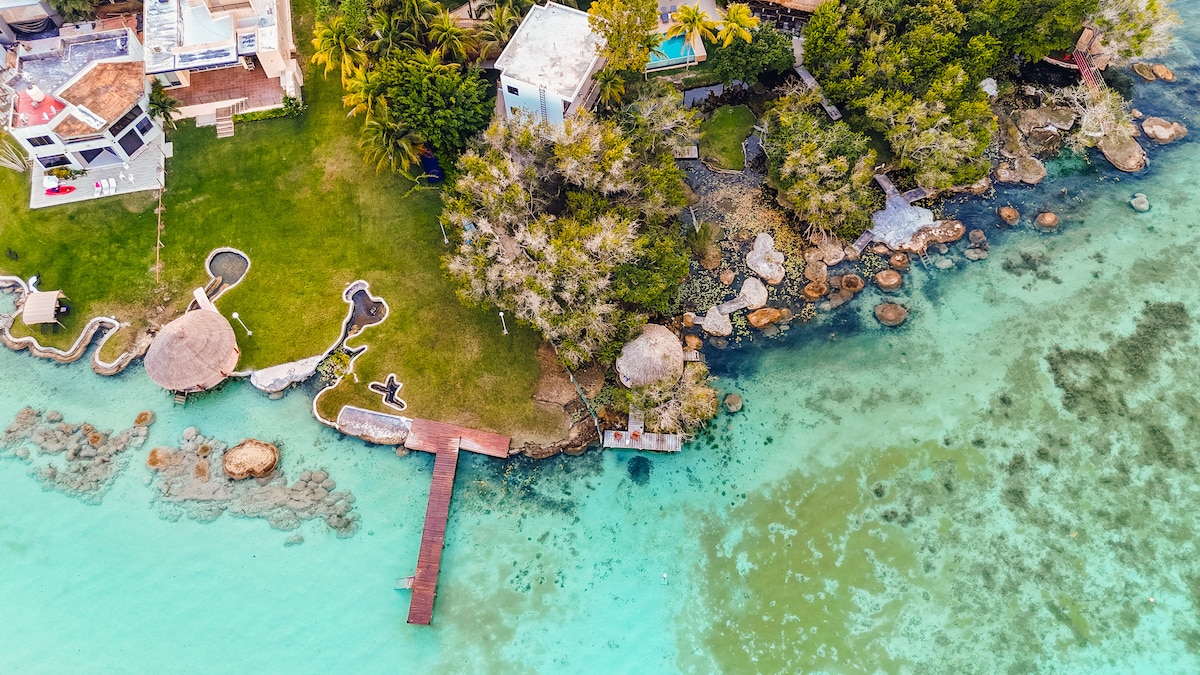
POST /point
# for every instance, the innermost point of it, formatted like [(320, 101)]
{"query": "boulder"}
[(1010, 137), (692, 342), (733, 403), (830, 248), (761, 318), (1045, 142), (1164, 73), (890, 314), (250, 458), (975, 254), (1140, 203), (1161, 131), (716, 323), (888, 280), (1123, 152), (853, 283), (689, 319), (944, 263), (941, 232), (850, 253), (754, 292), (977, 237), (899, 261), (1046, 221), (765, 261), (817, 272), (1145, 71), (814, 291), (1009, 215), (1006, 174), (881, 249), (727, 277), (1030, 170)]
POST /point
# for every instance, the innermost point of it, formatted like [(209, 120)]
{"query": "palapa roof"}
[(109, 90), (192, 353), (655, 356), (809, 6), (41, 307)]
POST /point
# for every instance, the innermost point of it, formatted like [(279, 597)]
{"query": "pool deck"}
[(146, 171)]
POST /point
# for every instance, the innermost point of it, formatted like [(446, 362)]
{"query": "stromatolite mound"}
[(733, 403), (888, 280), (853, 282), (890, 314), (249, 458), (1009, 215), (815, 290), (1140, 202), (899, 261), (1047, 221)]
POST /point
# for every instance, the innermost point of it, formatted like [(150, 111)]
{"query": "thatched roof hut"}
[(655, 356), (193, 353), (41, 307)]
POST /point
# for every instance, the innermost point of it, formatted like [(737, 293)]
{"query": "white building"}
[(19, 18), (80, 101), (547, 68), (220, 57)]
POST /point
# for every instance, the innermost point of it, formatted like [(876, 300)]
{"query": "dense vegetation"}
[(767, 51), (575, 229)]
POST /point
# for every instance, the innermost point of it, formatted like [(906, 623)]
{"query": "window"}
[(130, 143), (169, 80), (513, 90), (125, 121), (39, 141), (144, 126), (53, 161)]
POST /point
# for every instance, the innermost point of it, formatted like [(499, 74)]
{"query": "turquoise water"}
[(999, 486), (672, 48)]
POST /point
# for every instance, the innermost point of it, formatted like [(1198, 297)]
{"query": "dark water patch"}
[(639, 468)]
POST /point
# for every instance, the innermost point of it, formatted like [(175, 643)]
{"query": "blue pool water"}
[(673, 48)]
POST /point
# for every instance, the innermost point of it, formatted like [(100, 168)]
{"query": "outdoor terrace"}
[(231, 84), (145, 171)]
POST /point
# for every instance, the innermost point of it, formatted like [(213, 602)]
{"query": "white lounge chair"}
[(99, 189)]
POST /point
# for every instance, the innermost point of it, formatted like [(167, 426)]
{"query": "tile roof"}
[(109, 90)]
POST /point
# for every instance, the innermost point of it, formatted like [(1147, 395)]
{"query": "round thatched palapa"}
[(193, 353), (655, 356), (251, 457)]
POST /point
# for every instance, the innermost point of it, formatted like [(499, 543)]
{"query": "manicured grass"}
[(296, 196), (721, 136)]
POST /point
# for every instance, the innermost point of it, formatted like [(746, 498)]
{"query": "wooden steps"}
[(225, 122), (180, 397)]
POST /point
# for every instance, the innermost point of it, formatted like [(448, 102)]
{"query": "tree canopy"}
[(768, 51), (628, 27)]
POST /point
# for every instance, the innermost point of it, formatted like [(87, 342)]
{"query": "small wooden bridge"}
[(445, 441)]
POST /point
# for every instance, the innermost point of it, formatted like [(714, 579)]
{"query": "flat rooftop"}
[(69, 56), (554, 48)]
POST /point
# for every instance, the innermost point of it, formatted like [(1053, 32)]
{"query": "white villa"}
[(222, 57), (22, 17), (547, 68)]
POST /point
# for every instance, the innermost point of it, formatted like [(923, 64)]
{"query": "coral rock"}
[(1009, 215), (144, 419), (853, 283), (733, 403), (977, 237), (727, 277), (163, 458), (888, 280), (1047, 221), (815, 290), (761, 318), (1161, 131), (1140, 203), (201, 471), (890, 314), (250, 458), (976, 254), (754, 292)]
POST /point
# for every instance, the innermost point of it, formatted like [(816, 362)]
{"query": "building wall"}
[(527, 98)]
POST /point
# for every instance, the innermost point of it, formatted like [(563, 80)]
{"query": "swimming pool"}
[(674, 53)]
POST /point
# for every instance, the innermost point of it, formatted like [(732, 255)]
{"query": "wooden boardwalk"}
[(433, 538), (637, 438), (429, 436)]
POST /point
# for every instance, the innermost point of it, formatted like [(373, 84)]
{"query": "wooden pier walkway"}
[(433, 538), (811, 82), (637, 438)]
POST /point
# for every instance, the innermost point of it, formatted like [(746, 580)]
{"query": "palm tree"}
[(736, 23), (497, 30), (162, 105), (389, 32), (611, 86), (337, 45), (390, 145), (449, 40), (692, 23), (417, 12), (366, 93)]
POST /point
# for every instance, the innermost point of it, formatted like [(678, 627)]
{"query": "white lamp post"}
[(239, 320), (445, 239), (503, 324)]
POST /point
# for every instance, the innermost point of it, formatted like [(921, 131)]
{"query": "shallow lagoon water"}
[(1001, 485)]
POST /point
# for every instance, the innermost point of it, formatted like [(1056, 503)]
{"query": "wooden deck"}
[(811, 82), (637, 438), (429, 436), (433, 538), (146, 171)]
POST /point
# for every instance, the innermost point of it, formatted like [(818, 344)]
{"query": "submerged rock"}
[(733, 403), (1123, 152), (1140, 203), (890, 314), (1160, 130), (975, 254), (1046, 221)]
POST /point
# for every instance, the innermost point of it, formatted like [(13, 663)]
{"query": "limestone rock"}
[(1006, 174), (1161, 131), (733, 403), (944, 263), (899, 261), (976, 254), (754, 292), (1164, 73), (278, 378), (727, 277), (1145, 71), (881, 249), (716, 323), (1030, 170), (1123, 152), (692, 342), (890, 314), (888, 280), (1010, 137), (254, 458), (1009, 215), (765, 261), (1046, 221), (1045, 142), (941, 232), (852, 282), (830, 248), (761, 318), (1140, 203), (817, 272), (1060, 118), (814, 291)]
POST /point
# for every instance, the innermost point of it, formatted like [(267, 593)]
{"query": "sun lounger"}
[(99, 189), (665, 17), (111, 185)]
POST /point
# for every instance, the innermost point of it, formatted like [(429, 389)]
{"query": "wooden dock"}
[(433, 538), (811, 82), (429, 436), (637, 438)]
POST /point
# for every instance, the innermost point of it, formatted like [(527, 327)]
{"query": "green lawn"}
[(296, 196), (722, 134)]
